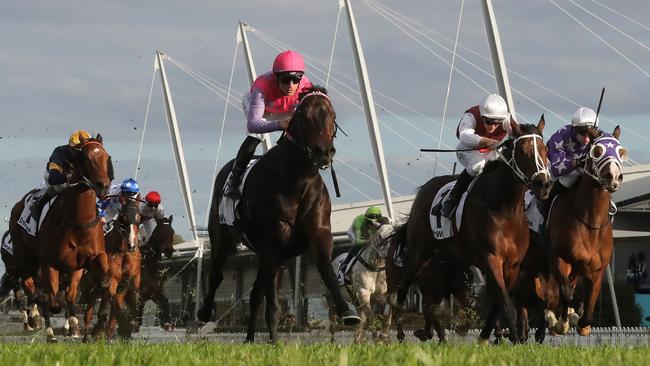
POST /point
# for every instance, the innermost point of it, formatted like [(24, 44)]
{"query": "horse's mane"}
[(508, 145), (314, 88)]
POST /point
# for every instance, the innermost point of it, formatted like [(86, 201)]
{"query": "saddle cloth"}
[(228, 206), (7, 244), (342, 274), (25, 220), (444, 227)]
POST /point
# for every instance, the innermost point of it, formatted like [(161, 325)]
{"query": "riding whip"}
[(600, 103)]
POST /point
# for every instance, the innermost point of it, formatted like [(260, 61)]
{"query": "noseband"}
[(512, 162)]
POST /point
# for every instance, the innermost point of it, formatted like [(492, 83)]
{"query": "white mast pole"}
[(498, 61), (369, 108), (181, 169), (252, 75)]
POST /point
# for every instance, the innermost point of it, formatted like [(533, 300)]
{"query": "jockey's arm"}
[(561, 160), (468, 136), (359, 238), (256, 123)]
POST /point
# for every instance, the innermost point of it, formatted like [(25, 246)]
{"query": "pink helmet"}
[(289, 61)]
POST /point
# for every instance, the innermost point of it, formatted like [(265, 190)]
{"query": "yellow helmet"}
[(77, 136)]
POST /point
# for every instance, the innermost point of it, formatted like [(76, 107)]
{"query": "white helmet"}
[(584, 117), (494, 107)]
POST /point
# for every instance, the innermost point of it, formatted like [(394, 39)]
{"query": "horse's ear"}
[(541, 123), (515, 127), (171, 218), (82, 139), (617, 132), (99, 138)]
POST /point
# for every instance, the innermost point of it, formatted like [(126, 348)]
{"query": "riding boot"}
[(447, 205), (35, 210), (244, 156), (351, 254)]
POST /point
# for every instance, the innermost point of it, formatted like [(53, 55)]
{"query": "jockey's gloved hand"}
[(55, 178)]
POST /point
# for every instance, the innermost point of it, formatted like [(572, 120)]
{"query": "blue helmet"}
[(130, 186)]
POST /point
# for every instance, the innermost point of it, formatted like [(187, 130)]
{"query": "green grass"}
[(320, 354)]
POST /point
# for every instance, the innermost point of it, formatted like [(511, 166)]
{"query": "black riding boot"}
[(244, 155), (446, 206), (35, 210)]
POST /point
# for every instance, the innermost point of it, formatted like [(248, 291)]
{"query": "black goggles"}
[(290, 77), (581, 130), (373, 217), (493, 121)]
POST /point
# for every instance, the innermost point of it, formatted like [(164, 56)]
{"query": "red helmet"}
[(289, 61), (153, 197)]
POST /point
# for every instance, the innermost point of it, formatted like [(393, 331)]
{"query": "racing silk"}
[(110, 207), (268, 106), (564, 150), (147, 212), (62, 161), (362, 230), (470, 129)]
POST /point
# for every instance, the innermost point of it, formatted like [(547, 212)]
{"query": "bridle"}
[(512, 162), (600, 162), (302, 145)]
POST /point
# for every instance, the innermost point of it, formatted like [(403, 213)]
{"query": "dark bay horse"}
[(494, 232), (154, 273), (580, 230), (285, 212), (70, 238), (441, 276)]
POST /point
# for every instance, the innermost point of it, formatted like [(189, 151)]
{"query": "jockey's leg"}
[(244, 155), (50, 192), (446, 206), (351, 254)]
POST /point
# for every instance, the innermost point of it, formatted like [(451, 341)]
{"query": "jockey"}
[(362, 229), (269, 107), (118, 195), (150, 210), (59, 169), (567, 147), (481, 127)]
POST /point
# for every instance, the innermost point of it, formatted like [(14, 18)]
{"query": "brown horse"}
[(124, 269), (580, 230), (285, 212), (494, 232), (440, 277), (70, 237), (154, 273)]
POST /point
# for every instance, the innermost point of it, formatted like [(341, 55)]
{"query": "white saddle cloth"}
[(533, 214), (443, 227), (228, 205), (25, 220)]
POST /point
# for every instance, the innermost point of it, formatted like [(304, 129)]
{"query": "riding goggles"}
[(373, 217), (490, 121), (287, 77)]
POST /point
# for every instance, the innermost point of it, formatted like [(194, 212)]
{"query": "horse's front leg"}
[(320, 247), (592, 285), (50, 281), (560, 273), (99, 269), (272, 311), (72, 322), (257, 293), (365, 312)]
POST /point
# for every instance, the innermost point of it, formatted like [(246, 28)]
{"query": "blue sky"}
[(87, 64)]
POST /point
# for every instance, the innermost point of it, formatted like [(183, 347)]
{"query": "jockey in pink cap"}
[(269, 107)]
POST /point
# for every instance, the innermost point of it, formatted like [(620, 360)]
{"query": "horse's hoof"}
[(392, 301), (562, 327), (203, 314), (350, 319), (421, 335), (584, 331), (167, 327), (27, 327), (573, 318), (249, 340)]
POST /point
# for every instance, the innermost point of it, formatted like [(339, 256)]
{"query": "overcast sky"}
[(88, 64)]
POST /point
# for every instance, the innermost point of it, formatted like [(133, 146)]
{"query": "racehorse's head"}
[(128, 222), (162, 237), (529, 157), (606, 156), (313, 127), (95, 165)]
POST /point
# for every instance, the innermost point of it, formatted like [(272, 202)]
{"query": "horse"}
[(367, 288), (154, 274), (579, 230), (124, 270), (284, 212), (440, 277), (70, 237), (494, 232)]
